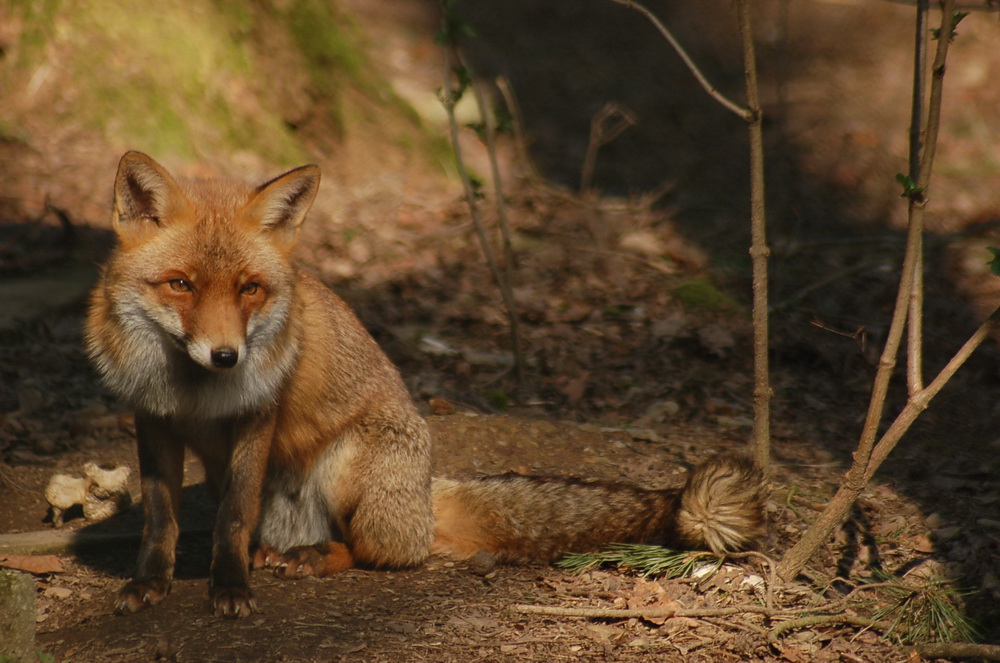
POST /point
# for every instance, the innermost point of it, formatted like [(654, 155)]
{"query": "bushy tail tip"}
[(722, 505)]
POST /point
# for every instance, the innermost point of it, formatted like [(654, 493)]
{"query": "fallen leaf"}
[(716, 339), (36, 564), (649, 594), (58, 592), (794, 655), (442, 406), (922, 544), (574, 388)]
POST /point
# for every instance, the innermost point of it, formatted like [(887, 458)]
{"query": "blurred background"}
[(632, 278)]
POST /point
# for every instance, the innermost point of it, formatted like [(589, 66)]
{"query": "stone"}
[(17, 616)]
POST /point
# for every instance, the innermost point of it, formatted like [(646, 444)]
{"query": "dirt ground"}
[(442, 611), (637, 336)]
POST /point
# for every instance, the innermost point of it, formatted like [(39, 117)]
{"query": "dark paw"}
[(265, 558), (300, 562), (294, 570), (140, 594), (232, 602)]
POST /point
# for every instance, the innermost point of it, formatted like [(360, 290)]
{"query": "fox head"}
[(198, 291)]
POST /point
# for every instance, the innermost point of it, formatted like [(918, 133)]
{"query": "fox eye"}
[(250, 289), (180, 285)]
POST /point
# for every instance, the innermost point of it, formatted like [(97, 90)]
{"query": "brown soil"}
[(638, 366)]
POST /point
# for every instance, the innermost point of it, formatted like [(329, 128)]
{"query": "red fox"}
[(309, 438)]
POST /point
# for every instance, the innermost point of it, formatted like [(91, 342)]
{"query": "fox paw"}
[(299, 562), (265, 557), (304, 561), (232, 602), (139, 594)]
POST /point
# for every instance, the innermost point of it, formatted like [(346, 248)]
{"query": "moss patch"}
[(184, 80), (700, 295)]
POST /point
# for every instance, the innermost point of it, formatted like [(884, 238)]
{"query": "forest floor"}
[(636, 331)]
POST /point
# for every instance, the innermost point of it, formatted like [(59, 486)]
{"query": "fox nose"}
[(224, 357)]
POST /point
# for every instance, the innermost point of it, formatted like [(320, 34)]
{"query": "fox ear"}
[(281, 204), (145, 195)]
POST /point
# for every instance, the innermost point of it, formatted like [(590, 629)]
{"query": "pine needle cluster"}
[(646, 560), (929, 612)]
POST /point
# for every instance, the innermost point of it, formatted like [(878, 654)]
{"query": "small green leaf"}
[(453, 28), (910, 188), (464, 77), (477, 186), (479, 128), (504, 119), (994, 262), (956, 18), (499, 399)]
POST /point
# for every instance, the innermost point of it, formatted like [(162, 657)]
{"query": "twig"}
[(728, 624), (989, 6), (830, 279), (822, 620), (921, 400), (508, 253), (838, 605), (449, 99), (956, 650), (741, 111), (514, 108), (767, 563), (916, 107), (601, 134), (648, 613)]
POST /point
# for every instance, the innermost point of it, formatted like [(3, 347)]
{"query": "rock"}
[(63, 492), (482, 563), (658, 413), (101, 492), (107, 492), (643, 242), (58, 593), (948, 533), (17, 616)]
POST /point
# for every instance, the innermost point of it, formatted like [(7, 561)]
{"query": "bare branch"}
[(867, 457), (914, 352), (968, 650), (760, 445), (822, 620), (989, 6), (607, 125), (743, 112), (919, 401), (514, 108), (449, 98), (508, 254), (648, 613)]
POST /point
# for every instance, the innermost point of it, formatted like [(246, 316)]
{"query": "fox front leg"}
[(161, 467), (236, 521)]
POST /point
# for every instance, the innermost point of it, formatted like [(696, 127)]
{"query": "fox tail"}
[(534, 519)]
